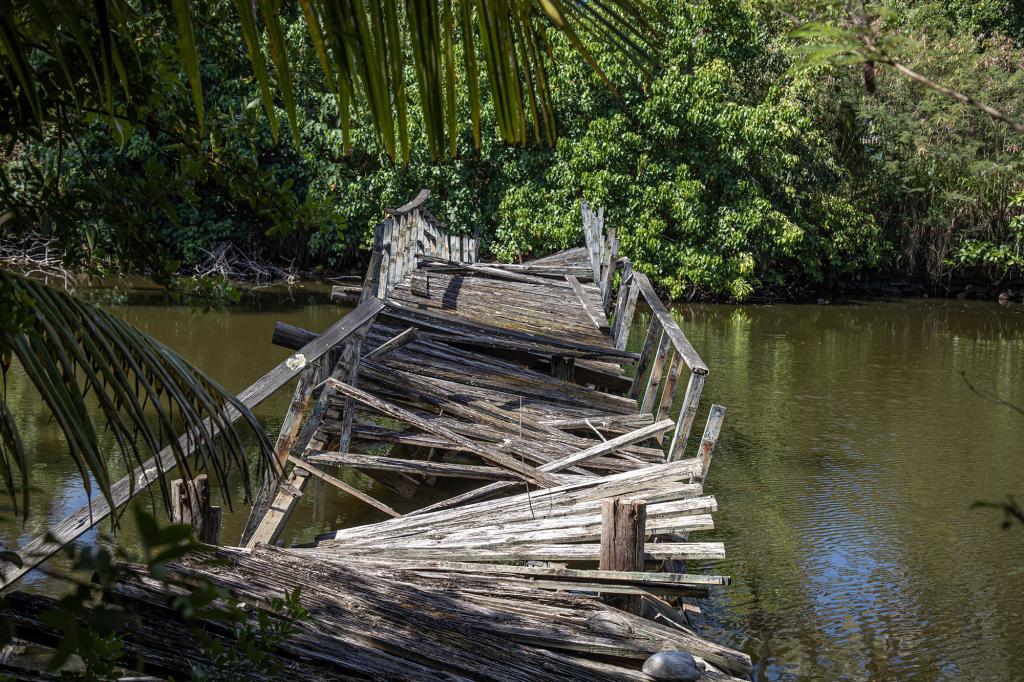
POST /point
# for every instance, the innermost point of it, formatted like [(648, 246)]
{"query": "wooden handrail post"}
[(687, 413), (623, 530), (650, 343)]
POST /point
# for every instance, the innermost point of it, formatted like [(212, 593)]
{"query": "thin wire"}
[(522, 458)]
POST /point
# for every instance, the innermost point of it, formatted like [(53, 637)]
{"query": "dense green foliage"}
[(739, 164)]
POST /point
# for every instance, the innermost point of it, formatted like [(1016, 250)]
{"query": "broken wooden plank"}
[(411, 466), (595, 314), (653, 551)]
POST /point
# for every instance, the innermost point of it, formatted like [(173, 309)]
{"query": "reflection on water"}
[(851, 454)]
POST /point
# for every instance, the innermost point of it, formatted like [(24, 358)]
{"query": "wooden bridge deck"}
[(511, 379)]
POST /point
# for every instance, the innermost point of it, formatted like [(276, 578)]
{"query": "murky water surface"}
[(852, 453)]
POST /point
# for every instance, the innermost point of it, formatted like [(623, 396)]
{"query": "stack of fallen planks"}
[(372, 619), (558, 524)]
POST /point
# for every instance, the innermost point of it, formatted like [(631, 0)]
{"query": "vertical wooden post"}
[(620, 300), (623, 531), (650, 342), (687, 413), (609, 270), (710, 439), (563, 367), (190, 504), (657, 370), (623, 325), (668, 393)]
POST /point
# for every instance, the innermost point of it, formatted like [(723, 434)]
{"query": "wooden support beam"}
[(625, 322), (651, 342), (460, 326), (270, 525), (605, 448), (668, 392), (608, 270), (80, 521), (563, 367), (285, 440), (190, 504), (623, 529), (593, 312), (668, 323), (653, 551)]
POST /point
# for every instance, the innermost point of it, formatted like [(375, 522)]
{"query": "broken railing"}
[(666, 351)]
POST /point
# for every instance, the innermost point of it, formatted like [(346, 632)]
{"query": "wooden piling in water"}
[(190, 504), (623, 530)]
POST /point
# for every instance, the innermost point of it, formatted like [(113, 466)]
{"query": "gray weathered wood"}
[(341, 485), (355, 460), (489, 454), (285, 440)]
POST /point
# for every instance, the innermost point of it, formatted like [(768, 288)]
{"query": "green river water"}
[(851, 455)]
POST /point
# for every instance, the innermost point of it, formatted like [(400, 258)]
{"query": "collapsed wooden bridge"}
[(565, 560)]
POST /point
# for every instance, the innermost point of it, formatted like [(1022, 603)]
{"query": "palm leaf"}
[(361, 45), (143, 392)]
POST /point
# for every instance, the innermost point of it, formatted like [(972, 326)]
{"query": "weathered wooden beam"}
[(80, 521), (624, 322), (563, 367), (593, 312), (653, 551), (608, 270), (651, 342), (668, 392), (572, 460), (285, 440), (536, 342), (657, 372)]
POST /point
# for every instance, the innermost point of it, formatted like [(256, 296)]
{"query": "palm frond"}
[(362, 47), (144, 393)]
